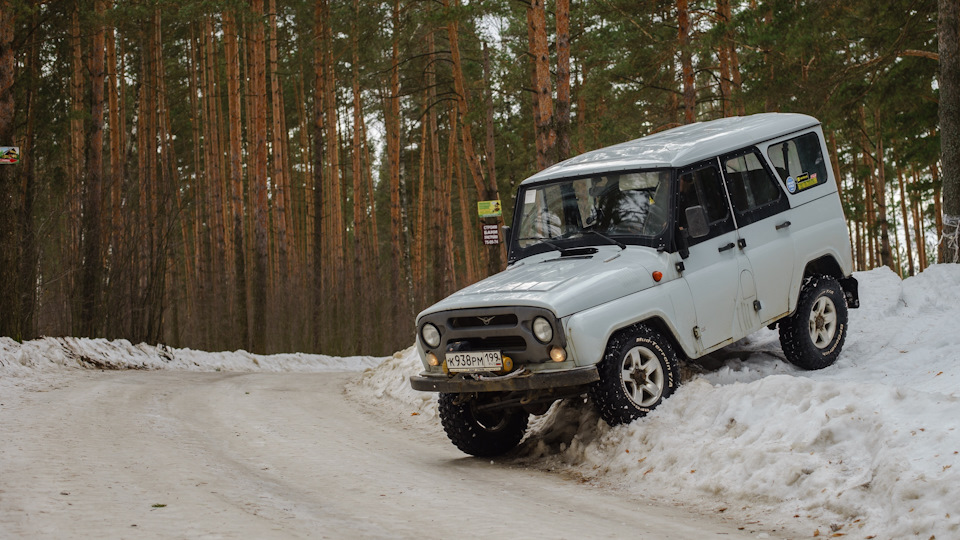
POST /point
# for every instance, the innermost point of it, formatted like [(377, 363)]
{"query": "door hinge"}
[(680, 267), (696, 332), (756, 305)]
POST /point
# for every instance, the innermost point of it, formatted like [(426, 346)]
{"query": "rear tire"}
[(481, 433), (813, 336), (639, 370)]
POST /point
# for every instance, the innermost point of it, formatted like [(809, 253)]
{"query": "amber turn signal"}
[(657, 276)]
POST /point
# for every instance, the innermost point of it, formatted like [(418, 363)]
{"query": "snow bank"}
[(868, 447), (48, 354)]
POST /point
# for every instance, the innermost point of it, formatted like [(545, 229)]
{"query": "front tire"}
[(481, 432), (813, 336), (639, 370)]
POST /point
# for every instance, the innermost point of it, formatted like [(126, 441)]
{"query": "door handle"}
[(783, 225), (727, 247)]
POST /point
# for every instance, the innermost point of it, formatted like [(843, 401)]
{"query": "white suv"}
[(627, 260)]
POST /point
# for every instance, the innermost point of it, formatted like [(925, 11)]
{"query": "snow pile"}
[(47, 354), (391, 380), (868, 446)]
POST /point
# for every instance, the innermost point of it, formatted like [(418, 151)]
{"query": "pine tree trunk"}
[(232, 51), (906, 221), (437, 249), (918, 226), (467, 227), (321, 222), (258, 181), (487, 190), (723, 53), (360, 259), (938, 209), (948, 28), (686, 63), (29, 251), (92, 266), (280, 182), (9, 249), (334, 200), (392, 117), (885, 254), (563, 80), (419, 238), (543, 89), (734, 64)]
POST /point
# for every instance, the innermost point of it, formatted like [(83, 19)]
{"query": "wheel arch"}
[(828, 265), (659, 325)]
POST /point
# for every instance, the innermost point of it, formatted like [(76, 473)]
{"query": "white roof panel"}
[(680, 146)]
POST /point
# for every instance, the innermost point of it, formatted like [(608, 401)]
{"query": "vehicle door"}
[(762, 214), (711, 270)]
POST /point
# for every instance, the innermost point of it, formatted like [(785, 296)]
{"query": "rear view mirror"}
[(697, 224)]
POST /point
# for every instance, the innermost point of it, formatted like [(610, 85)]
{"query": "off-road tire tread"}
[(608, 395), (798, 349), (470, 437)]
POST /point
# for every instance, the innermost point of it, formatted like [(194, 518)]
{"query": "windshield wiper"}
[(617, 243), (544, 240)]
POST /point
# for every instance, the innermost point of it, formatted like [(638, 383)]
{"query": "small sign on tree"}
[(489, 209), (9, 154)]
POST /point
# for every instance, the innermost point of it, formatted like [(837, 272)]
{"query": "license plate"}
[(472, 361)]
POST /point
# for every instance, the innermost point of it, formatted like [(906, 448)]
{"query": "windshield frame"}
[(661, 241)]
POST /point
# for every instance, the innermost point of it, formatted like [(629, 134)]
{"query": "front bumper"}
[(463, 383)]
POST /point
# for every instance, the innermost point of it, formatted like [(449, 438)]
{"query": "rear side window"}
[(753, 191), (799, 162)]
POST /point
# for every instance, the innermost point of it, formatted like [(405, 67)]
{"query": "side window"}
[(704, 187), (799, 162), (753, 191)]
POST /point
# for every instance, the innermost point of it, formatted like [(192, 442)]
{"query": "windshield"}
[(631, 206)]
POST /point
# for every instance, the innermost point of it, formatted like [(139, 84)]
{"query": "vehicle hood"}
[(565, 285)]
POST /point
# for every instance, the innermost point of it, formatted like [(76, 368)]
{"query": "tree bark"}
[(563, 80), (486, 189), (906, 221), (686, 63), (392, 117), (92, 266), (281, 181), (232, 51), (9, 250), (543, 89), (258, 182), (948, 27)]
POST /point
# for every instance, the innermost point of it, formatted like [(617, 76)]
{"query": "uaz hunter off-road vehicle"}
[(626, 260)]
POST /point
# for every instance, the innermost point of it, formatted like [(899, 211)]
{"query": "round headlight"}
[(430, 335), (543, 330)]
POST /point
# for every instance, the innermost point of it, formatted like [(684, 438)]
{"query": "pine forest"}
[(282, 175)]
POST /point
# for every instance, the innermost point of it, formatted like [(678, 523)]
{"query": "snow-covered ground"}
[(867, 448)]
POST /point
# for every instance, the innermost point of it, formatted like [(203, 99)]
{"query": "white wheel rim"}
[(823, 322), (642, 376)]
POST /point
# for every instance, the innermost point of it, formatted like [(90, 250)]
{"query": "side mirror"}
[(697, 224)]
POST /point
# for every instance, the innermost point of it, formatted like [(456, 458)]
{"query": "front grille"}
[(506, 319), (492, 343), (508, 329)]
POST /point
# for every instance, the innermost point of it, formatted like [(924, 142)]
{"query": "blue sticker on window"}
[(791, 184)]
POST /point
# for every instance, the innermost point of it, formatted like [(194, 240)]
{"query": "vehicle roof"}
[(680, 146)]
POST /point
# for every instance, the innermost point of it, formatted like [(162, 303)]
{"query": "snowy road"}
[(158, 454)]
